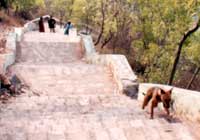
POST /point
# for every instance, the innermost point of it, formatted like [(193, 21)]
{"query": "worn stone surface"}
[(46, 53), (77, 101), (49, 37)]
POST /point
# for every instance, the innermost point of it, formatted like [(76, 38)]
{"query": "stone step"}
[(93, 127), (33, 103), (77, 67), (38, 52), (86, 117), (72, 78), (48, 37)]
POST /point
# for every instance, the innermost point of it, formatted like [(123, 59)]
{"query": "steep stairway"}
[(71, 100)]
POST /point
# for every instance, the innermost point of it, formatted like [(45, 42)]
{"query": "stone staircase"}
[(71, 100), (41, 48), (43, 52)]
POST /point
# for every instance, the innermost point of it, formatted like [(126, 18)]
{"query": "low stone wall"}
[(33, 24), (186, 103), (125, 78), (30, 26), (8, 58)]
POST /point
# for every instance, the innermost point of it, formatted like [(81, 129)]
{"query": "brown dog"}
[(155, 95)]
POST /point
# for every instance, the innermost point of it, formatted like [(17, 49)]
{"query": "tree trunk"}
[(102, 24), (61, 19), (17, 10), (178, 52), (193, 77), (87, 24), (107, 40), (71, 8)]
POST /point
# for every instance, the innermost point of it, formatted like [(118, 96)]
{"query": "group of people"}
[(52, 25)]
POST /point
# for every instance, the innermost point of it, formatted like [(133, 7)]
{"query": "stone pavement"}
[(71, 100)]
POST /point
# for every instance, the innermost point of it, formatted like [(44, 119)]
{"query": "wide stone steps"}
[(73, 78), (48, 37), (68, 106), (86, 117), (78, 67), (47, 53)]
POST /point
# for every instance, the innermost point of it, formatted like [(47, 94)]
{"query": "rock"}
[(4, 80), (9, 87), (16, 84)]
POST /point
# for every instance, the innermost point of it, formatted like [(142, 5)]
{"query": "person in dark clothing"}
[(67, 27), (41, 25), (52, 23)]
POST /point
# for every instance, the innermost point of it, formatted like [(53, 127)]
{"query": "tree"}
[(193, 77), (6, 4), (180, 46), (24, 5), (62, 8), (161, 23), (89, 13), (192, 53), (3, 4), (102, 22)]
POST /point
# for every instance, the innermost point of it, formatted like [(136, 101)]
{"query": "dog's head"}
[(166, 98)]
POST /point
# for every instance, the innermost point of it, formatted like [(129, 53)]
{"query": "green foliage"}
[(62, 8), (192, 50), (3, 4), (40, 3), (162, 23), (24, 5)]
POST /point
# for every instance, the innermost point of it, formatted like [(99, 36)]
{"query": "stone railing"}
[(125, 78), (186, 103), (29, 26), (8, 58)]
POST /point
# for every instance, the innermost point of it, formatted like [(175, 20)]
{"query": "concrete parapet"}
[(88, 45), (11, 41), (8, 58), (30, 26), (185, 103), (19, 32)]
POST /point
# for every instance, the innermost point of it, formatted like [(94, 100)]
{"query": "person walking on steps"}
[(68, 26), (41, 25), (52, 24)]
